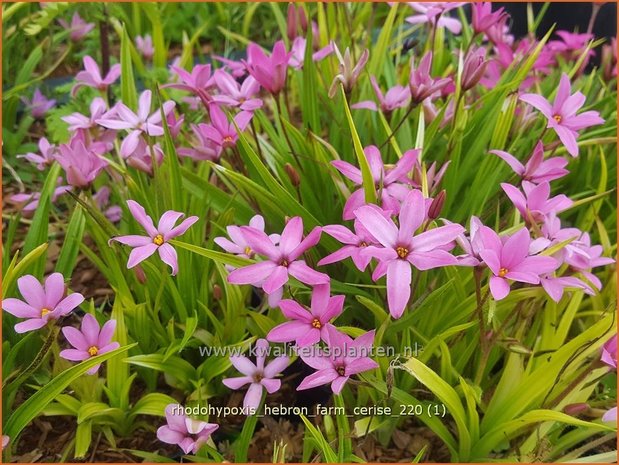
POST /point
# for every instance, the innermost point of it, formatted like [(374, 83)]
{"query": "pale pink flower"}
[(91, 76), (189, 434)]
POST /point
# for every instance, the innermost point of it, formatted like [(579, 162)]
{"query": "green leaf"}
[(71, 245), (127, 81)]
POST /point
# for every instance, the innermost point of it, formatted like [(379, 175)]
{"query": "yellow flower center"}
[(249, 252), (503, 272), (93, 350), (158, 239), (316, 323), (45, 311), (558, 118), (402, 252)]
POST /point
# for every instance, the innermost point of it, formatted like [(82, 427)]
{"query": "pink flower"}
[(78, 27), (198, 82), (297, 52), (281, 261), (555, 286), (355, 244), (433, 13), (187, 433), (142, 157), (536, 204), (401, 248), (571, 46), (234, 94), (588, 257), (45, 159), (562, 115), (237, 68), (98, 109), (5, 441), (308, 326), (80, 163), (609, 352), (157, 239), (396, 97), (474, 67), (222, 132), (90, 341), (258, 376), (137, 124), (91, 76), (271, 71), (537, 170), (391, 183), (204, 148), (42, 303), (508, 259), (39, 105), (348, 73), (145, 46), (471, 244), (31, 201), (342, 359), (238, 245), (102, 199), (421, 83), (483, 18)]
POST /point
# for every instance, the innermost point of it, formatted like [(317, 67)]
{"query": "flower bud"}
[(437, 205), (217, 292), (292, 175), (575, 409), (475, 64), (139, 273)]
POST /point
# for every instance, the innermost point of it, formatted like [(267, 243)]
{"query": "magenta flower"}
[(508, 259), (222, 132), (238, 95), (392, 183), (421, 83), (187, 433), (142, 157), (204, 148), (31, 201), (562, 115), (537, 170), (42, 303), (91, 76), (271, 71), (281, 261), (39, 105), (90, 341), (145, 46), (555, 286), (348, 73), (483, 18), (355, 243), (433, 13), (396, 97), (609, 352), (471, 244), (78, 27), (157, 239), (297, 52), (46, 157), (401, 248), (258, 376), (98, 110), (586, 258), (342, 359), (475, 64), (237, 244), (237, 68), (137, 124), (80, 163), (198, 82), (536, 204), (308, 326)]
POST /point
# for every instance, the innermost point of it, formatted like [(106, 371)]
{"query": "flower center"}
[(45, 311), (284, 262), (258, 377), (341, 370), (93, 350), (158, 239), (558, 118), (249, 252), (363, 244), (402, 252), (228, 140), (316, 323), (503, 272)]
